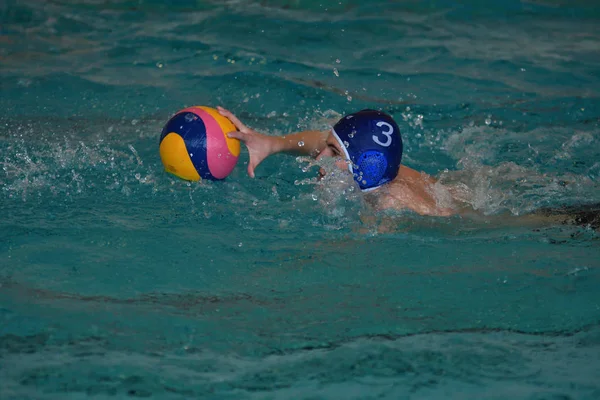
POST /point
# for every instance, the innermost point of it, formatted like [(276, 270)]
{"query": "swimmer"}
[(368, 144)]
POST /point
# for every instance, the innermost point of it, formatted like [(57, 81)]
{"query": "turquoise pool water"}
[(118, 280)]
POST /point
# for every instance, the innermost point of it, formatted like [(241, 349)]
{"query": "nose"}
[(321, 154), (324, 153)]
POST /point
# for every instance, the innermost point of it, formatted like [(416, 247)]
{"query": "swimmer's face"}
[(333, 149)]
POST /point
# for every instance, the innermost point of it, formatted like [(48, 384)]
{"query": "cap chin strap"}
[(349, 160)]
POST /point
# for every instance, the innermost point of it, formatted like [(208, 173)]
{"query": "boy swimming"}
[(366, 143)]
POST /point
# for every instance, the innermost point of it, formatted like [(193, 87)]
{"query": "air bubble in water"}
[(346, 144), (189, 117), (335, 72), (488, 120), (301, 143), (314, 197), (351, 134)]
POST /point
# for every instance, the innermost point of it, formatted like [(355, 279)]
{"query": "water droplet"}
[(301, 143)]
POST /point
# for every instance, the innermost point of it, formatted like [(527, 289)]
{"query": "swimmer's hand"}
[(259, 146)]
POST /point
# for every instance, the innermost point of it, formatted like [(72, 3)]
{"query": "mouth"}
[(321, 174)]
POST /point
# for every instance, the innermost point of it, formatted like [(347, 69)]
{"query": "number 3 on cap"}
[(387, 133)]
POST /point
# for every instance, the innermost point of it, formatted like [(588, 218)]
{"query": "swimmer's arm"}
[(261, 146), (309, 143)]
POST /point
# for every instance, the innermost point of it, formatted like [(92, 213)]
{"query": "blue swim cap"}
[(372, 143)]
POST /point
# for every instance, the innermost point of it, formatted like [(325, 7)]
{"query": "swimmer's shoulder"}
[(410, 195)]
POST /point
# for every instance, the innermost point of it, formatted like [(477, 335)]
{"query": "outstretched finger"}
[(238, 124), (251, 170), (237, 135)]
